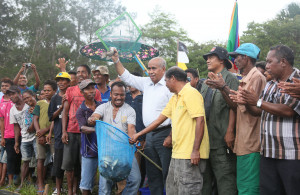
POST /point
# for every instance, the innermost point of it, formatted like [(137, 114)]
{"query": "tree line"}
[(41, 31)]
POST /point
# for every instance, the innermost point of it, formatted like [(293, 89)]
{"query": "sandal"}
[(18, 190), (55, 191)]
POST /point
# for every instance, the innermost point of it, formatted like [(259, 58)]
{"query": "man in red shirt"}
[(71, 135)]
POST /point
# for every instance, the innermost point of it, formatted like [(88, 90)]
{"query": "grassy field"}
[(30, 189)]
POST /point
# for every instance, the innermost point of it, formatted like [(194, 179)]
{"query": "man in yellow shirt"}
[(189, 135)]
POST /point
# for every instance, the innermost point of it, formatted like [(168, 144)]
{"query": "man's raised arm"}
[(119, 66), (36, 76), (16, 79), (129, 79)]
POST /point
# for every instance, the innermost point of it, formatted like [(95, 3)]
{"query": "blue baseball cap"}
[(248, 49)]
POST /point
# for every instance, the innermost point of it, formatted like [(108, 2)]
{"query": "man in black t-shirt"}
[(63, 80)]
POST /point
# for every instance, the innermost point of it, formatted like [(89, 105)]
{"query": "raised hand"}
[(293, 89), (115, 56), (62, 63), (249, 96), (215, 81), (33, 67)]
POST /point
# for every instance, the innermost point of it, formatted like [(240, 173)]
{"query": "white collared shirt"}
[(155, 97)]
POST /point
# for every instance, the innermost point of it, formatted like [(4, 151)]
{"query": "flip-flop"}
[(18, 190), (54, 192)]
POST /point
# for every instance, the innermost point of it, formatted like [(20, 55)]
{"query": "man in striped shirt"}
[(280, 128)]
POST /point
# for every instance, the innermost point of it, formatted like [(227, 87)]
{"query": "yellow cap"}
[(63, 75)]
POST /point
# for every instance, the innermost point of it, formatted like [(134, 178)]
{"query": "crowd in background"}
[(226, 134)]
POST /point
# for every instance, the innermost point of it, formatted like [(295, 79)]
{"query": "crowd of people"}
[(226, 134)]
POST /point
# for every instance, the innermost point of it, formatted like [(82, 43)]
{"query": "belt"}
[(161, 128)]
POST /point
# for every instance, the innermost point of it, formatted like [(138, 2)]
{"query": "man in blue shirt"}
[(101, 78), (21, 79)]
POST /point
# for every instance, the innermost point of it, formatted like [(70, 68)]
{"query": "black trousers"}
[(279, 177), (161, 155), (13, 159)]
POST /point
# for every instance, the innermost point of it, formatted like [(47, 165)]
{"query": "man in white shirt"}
[(155, 97)]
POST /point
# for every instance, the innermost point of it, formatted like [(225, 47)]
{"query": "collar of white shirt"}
[(161, 82)]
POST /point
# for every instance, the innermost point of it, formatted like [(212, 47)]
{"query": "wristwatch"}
[(258, 104)]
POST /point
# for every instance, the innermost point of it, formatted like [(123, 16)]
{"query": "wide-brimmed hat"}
[(222, 55)]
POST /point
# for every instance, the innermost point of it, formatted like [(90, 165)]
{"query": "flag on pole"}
[(182, 57), (234, 39)]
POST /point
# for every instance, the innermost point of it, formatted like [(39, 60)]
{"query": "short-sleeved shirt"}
[(125, 115), (280, 136), (5, 107), (89, 147), (22, 117), (182, 109), (219, 111), (75, 99), (54, 105), (41, 110), (32, 88), (106, 95), (137, 105), (247, 125)]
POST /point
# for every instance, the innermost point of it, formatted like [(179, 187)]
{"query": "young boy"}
[(24, 125), (63, 80), (42, 127), (89, 150), (7, 130), (12, 145)]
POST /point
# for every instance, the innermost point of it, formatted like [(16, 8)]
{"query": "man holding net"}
[(119, 114)]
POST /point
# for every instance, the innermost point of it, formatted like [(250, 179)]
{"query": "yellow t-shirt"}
[(182, 109)]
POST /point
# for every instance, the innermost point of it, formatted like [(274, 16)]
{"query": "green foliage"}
[(163, 32), (284, 29), (41, 31)]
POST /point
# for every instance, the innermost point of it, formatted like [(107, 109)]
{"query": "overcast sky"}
[(210, 19)]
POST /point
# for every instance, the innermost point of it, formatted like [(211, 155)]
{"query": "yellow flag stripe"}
[(182, 65)]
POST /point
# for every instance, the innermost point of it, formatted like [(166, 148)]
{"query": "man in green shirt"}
[(221, 124), (42, 127)]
